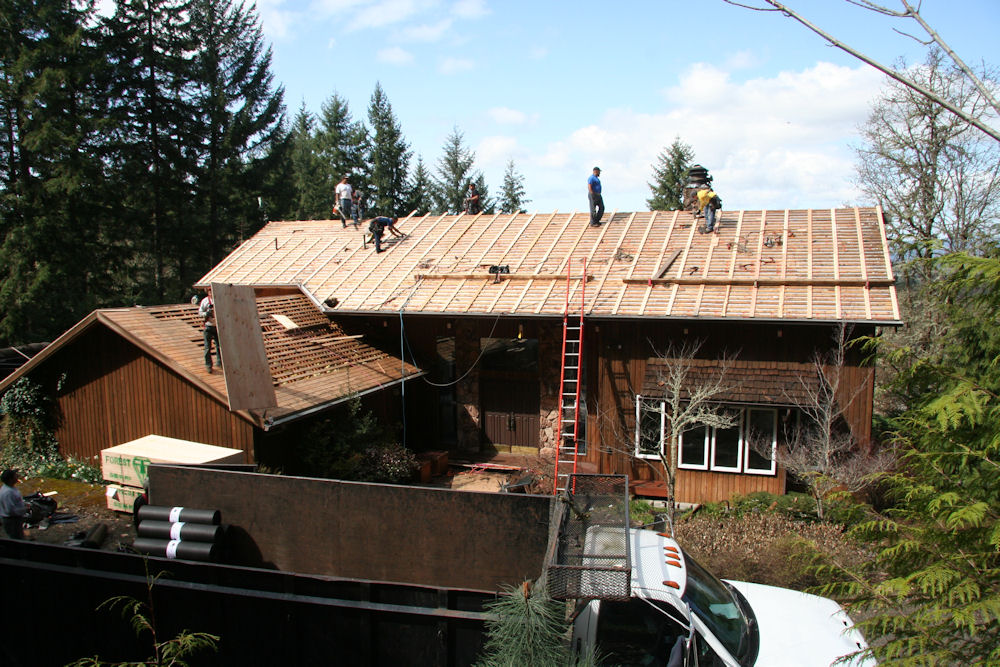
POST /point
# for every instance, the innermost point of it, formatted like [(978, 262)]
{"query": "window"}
[(762, 440), (694, 448), (747, 447), (649, 435)]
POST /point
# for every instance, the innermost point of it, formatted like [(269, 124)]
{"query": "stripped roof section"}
[(313, 362), (819, 265)]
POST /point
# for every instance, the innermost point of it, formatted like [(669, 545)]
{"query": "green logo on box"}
[(140, 464)]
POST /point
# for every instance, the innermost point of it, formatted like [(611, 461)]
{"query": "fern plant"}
[(932, 594)]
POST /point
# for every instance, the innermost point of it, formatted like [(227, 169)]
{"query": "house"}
[(478, 302), (121, 374)]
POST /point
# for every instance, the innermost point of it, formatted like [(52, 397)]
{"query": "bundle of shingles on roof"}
[(179, 532)]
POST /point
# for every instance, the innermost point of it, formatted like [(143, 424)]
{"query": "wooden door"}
[(510, 412)]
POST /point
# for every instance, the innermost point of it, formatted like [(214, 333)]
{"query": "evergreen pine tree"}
[(512, 196), (454, 174), (154, 151), (239, 116), (54, 256), (310, 185), (389, 158), (670, 176), (420, 191), (341, 144)]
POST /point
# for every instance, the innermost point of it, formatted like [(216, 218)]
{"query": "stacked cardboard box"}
[(126, 465)]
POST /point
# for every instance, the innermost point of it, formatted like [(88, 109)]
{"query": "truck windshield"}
[(718, 609)]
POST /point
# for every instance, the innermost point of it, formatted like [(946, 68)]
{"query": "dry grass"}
[(764, 548)]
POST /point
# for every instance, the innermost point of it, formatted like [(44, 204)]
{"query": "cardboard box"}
[(121, 498), (127, 464)]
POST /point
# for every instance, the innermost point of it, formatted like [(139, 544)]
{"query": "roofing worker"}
[(12, 507), (596, 201), (377, 227), (207, 312), (345, 195), (708, 202), (472, 206)]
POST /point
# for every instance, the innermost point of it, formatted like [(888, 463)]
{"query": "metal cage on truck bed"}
[(589, 559)]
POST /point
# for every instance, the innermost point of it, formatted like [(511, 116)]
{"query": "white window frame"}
[(774, 443), (740, 446), (639, 402), (743, 453), (706, 448)]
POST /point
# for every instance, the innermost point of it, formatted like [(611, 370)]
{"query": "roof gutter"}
[(268, 423)]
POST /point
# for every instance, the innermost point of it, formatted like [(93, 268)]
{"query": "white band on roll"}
[(175, 530), (175, 514), (172, 548)]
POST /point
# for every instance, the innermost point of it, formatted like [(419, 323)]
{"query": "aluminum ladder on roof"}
[(570, 379)]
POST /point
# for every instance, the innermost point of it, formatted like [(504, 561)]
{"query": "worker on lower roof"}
[(207, 311)]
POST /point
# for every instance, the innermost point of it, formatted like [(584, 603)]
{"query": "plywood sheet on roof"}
[(827, 264)]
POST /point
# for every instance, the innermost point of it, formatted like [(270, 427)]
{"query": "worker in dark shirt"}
[(377, 227)]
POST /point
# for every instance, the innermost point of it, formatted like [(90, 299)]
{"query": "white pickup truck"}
[(679, 614)]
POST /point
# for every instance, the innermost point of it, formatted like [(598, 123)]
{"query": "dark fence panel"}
[(425, 536), (51, 594)]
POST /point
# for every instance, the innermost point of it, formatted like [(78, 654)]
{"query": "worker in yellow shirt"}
[(709, 203)]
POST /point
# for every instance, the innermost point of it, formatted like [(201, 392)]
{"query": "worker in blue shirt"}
[(595, 198)]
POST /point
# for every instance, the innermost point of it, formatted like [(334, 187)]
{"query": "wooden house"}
[(482, 304), (121, 374)]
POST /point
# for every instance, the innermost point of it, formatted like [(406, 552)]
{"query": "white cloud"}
[(456, 65), (777, 142), (495, 151), (538, 52), (506, 116), (394, 55), (470, 9), (387, 12), (427, 32)]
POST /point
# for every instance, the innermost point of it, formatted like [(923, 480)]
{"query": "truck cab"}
[(680, 614)]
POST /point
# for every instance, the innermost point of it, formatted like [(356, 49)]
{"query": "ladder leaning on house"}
[(568, 447)]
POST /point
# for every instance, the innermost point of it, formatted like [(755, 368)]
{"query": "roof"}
[(313, 365), (752, 382), (809, 265)]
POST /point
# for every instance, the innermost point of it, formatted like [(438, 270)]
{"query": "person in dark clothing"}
[(12, 506), (377, 227), (207, 312), (472, 205)]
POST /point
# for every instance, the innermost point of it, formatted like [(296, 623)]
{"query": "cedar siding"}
[(109, 392)]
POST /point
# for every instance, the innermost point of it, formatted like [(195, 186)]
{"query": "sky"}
[(766, 105)]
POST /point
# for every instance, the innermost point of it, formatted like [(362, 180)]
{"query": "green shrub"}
[(71, 468), (640, 512), (28, 428), (387, 463), (839, 508)]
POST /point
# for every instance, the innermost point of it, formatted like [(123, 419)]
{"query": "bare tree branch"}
[(910, 12)]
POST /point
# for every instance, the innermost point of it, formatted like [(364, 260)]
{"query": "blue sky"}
[(559, 87)]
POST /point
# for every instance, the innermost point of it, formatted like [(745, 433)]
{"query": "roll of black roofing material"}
[(201, 551), (179, 514), (194, 532)]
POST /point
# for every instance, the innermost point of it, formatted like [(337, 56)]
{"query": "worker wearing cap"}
[(345, 195), (12, 507), (595, 198)]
